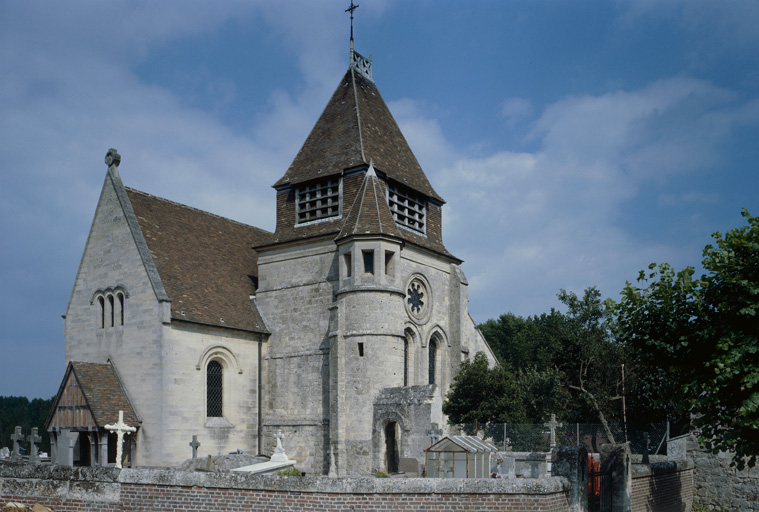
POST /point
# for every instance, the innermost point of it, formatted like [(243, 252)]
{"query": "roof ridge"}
[(361, 204), (358, 115), (182, 205), (375, 182)]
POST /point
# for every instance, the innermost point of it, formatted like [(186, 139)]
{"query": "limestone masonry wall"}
[(108, 489), (720, 486)]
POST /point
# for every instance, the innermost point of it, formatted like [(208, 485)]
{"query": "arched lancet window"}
[(432, 360), (405, 361), (121, 307), (101, 312), (110, 311), (214, 389)]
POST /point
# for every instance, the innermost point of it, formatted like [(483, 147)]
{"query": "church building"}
[(343, 328)]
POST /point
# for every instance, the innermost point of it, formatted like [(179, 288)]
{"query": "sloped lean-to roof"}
[(90, 396), (206, 262), (356, 127)]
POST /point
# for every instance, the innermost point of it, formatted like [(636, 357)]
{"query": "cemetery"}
[(481, 478)]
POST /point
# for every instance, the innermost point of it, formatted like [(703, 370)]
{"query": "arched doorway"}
[(392, 455)]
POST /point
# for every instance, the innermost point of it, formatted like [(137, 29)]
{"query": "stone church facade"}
[(343, 328)]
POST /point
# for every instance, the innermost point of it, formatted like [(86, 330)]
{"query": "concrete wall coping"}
[(661, 468), (371, 485)]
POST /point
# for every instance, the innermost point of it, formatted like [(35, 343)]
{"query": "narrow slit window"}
[(368, 261), (348, 264), (360, 350), (389, 266)]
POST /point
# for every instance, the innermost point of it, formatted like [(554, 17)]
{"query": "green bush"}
[(291, 471), (381, 474)]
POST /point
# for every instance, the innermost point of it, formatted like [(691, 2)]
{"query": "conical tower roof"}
[(356, 127), (369, 214)]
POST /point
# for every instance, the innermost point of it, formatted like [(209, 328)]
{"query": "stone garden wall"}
[(136, 490), (716, 485)]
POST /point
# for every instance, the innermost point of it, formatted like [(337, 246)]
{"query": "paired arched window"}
[(214, 389), (110, 304)]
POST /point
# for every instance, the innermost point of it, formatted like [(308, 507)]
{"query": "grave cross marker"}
[(120, 428), (34, 440), (552, 426), (16, 438), (195, 444), (645, 448)]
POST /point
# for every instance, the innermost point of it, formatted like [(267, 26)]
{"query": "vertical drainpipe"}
[(260, 419)]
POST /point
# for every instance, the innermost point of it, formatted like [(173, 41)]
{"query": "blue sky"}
[(575, 142)]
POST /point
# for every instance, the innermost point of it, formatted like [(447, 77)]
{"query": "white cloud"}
[(516, 110), (528, 224)]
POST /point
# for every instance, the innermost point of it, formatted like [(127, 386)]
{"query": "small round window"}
[(418, 299)]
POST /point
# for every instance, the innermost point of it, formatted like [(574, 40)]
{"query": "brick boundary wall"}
[(662, 487), (65, 489)]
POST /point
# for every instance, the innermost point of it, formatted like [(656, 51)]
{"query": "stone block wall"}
[(137, 490), (716, 485), (111, 259)]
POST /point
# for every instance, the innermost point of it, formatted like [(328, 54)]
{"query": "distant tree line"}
[(19, 411), (690, 350)]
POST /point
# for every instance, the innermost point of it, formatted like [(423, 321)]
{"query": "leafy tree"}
[(591, 358), (700, 338), (482, 395)]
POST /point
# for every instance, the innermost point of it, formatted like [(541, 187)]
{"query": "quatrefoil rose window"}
[(418, 299)]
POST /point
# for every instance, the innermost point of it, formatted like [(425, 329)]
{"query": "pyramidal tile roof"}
[(355, 128), (370, 214)]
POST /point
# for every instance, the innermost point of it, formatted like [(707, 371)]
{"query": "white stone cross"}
[(279, 452), (552, 425), (120, 428)]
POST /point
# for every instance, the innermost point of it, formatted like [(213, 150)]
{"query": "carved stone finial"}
[(112, 158)]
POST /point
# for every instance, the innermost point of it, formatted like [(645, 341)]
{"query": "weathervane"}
[(350, 10)]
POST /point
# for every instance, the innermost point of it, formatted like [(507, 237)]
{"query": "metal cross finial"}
[(350, 10)]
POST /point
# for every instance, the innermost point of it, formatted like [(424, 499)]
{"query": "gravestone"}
[(16, 437), (645, 448), (332, 465), (194, 444), (120, 428), (279, 452), (536, 460), (66, 442), (34, 440), (5, 452), (505, 466)]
